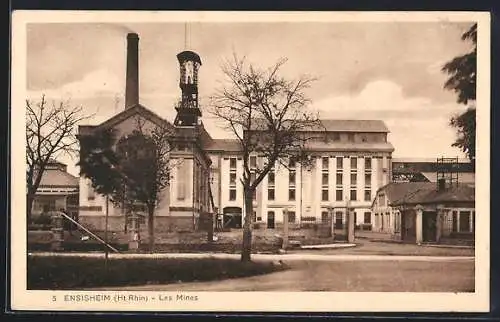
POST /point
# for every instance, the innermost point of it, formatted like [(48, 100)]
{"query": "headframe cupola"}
[(188, 110)]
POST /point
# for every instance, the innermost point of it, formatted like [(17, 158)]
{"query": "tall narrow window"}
[(232, 179), (325, 162), (232, 194), (368, 179), (232, 163), (339, 179), (324, 179), (291, 178), (291, 194), (324, 195), (354, 179), (354, 163), (291, 217), (368, 217), (340, 163), (339, 195), (270, 177), (368, 164), (368, 195), (354, 195), (270, 194)]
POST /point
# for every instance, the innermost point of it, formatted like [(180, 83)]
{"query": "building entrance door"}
[(270, 220), (464, 221), (338, 220), (429, 226)]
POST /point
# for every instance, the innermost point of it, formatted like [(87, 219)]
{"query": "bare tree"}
[(50, 133), (268, 114)]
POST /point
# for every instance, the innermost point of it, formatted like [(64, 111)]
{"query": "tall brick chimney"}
[(132, 78)]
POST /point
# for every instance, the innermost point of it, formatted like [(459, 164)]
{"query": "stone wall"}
[(117, 223)]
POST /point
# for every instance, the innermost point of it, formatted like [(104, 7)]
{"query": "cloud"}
[(436, 67), (419, 127), (99, 82)]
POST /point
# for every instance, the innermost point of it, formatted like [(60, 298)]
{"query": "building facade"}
[(349, 161)]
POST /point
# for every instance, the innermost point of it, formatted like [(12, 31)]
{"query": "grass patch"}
[(48, 273)]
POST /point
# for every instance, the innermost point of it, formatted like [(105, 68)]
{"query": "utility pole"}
[(106, 254), (285, 228)]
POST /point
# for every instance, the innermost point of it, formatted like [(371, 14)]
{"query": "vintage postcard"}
[(250, 161)]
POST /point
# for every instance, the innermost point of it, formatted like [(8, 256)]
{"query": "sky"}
[(365, 70)]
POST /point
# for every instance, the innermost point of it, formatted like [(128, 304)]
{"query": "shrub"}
[(43, 220)]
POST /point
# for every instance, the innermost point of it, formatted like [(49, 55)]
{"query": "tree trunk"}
[(29, 206), (246, 248), (151, 229), (106, 254)]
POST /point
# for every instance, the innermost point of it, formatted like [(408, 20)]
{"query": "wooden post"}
[(210, 227), (106, 254), (419, 211), (134, 236), (439, 222), (331, 214), (350, 225), (57, 232), (285, 228)]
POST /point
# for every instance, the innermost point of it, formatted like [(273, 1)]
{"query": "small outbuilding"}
[(437, 213)]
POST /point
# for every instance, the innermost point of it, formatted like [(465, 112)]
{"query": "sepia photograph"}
[(250, 161)]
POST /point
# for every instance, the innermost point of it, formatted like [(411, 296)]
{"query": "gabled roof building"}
[(425, 212)]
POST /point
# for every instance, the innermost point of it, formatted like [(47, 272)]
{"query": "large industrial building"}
[(351, 160)]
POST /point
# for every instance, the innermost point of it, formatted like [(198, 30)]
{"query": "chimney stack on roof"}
[(132, 78)]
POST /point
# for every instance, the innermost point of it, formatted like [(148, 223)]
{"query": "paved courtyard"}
[(346, 276), (368, 267)]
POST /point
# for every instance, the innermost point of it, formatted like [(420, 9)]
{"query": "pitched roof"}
[(57, 177), (463, 177), (125, 114), (396, 191), (354, 126), (399, 166), (332, 125), (224, 145), (426, 192), (349, 146)]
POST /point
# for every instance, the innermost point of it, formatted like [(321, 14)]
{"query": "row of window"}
[(325, 217), (292, 177), (325, 196), (325, 163), (340, 163)]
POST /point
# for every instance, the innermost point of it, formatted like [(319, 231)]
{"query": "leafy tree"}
[(268, 115), (50, 133), (131, 170), (462, 80)]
